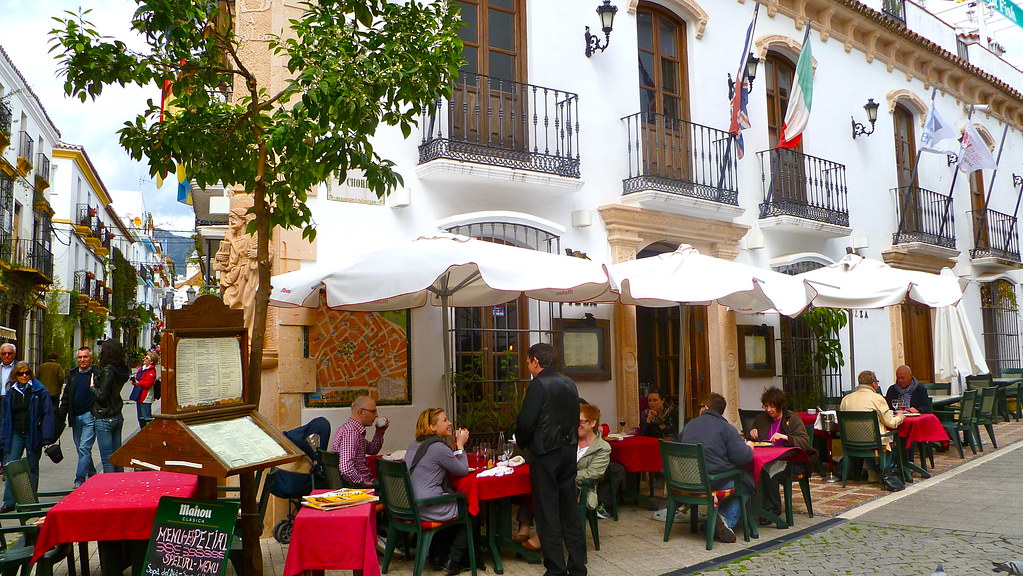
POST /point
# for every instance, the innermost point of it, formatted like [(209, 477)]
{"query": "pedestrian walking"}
[(27, 423), (8, 357), (106, 400), (142, 393), (76, 409), (51, 374)]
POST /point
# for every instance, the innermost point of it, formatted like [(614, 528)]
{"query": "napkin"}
[(496, 471), (396, 456), (817, 425), (516, 461)]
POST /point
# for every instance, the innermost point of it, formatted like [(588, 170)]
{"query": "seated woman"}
[(430, 461), (781, 427), (592, 458), (661, 417)]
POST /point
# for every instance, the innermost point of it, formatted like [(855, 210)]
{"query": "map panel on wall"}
[(360, 353)]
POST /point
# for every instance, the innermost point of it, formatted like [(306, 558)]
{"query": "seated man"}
[(913, 396), (866, 398), (723, 449), (351, 446)]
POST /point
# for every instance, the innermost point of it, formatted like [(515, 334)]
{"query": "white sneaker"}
[(660, 515)]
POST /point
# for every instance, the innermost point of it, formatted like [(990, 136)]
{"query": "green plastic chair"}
[(688, 482), (402, 509), (938, 388), (803, 479), (979, 381), (589, 516), (960, 421), (986, 413), (746, 418), (1015, 393), (861, 438), (29, 508), (235, 554), (330, 462)]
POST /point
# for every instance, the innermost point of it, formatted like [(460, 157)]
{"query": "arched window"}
[(663, 78), (778, 75)]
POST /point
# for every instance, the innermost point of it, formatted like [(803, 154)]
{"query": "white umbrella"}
[(445, 270), (857, 283), (956, 350), (686, 276)]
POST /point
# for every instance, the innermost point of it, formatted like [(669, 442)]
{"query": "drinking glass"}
[(621, 425), (509, 449)]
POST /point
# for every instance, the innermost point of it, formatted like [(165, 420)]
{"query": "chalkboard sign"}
[(190, 537)]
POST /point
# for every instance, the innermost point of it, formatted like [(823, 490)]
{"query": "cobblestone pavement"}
[(965, 518)]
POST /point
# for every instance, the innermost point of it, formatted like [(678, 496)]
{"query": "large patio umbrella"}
[(686, 276), (956, 350), (855, 282), (446, 270)]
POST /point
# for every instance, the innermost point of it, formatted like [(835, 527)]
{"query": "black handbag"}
[(891, 479), (54, 453)]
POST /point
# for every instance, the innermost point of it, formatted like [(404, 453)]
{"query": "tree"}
[(355, 65)]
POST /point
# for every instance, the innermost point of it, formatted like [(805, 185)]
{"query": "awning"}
[(8, 333)]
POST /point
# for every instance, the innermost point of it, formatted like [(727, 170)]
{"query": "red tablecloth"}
[(923, 428), (112, 506), (762, 456), (492, 487), (342, 539), (808, 418), (637, 453)]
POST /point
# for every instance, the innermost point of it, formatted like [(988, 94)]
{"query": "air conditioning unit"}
[(64, 303)]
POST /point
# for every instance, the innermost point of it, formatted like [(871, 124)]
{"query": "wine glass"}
[(621, 424), (897, 404), (509, 449)]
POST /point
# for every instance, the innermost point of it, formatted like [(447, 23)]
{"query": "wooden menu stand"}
[(208, 426)]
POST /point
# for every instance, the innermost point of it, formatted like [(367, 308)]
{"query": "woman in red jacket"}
[(143, 391)]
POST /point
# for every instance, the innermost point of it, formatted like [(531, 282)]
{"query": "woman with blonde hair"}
[(430, 461)]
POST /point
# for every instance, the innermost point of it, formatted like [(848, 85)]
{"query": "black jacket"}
[(919, 399), (106, 391), (66, 412), (549, 418)]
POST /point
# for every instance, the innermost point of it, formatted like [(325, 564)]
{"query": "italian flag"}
[(798, 112)]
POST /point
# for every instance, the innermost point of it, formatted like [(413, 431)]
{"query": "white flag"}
[(935, 131), (974, 154)]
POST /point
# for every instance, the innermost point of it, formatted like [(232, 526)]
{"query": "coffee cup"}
[(811, 410), (380, 422)]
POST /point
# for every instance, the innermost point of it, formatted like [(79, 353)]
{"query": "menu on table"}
[(208, 371), (238, 442)]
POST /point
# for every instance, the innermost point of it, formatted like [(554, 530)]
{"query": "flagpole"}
[(1012, 227), (912, 180), (990, 188), (955, 175), (740, 79)]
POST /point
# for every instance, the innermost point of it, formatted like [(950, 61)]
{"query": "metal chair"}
[(402, 509), (959, 421), (986, 414), (688, 482), (861, 438)]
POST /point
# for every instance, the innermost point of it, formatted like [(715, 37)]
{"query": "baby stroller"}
[(292, 486)]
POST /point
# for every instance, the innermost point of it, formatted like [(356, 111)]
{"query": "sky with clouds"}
[(92, 124)]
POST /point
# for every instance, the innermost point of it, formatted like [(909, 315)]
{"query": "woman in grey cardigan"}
[(430, 461)]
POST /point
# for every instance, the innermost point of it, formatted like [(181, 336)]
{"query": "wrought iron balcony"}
[(995, 236), (924, 216), (803, 186), (5, 124), (83, 283), (33, 257), (25, 145), (42, 172), (895, 9), (84, 215), (499, 122), (680, 157)]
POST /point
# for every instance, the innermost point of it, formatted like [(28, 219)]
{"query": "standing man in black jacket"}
[(547, 427)]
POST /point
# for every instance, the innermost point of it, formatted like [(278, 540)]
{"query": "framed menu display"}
[(208, 372)]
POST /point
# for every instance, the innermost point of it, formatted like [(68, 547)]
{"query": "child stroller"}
[(292, 486)]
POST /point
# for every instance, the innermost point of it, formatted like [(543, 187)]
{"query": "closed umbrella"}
[(446, 270), (956, 350)]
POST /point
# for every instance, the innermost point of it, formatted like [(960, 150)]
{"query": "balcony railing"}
[(6, 246), (924, 216), (33, 255), (895, 9), (679, 157), (83, 283), (83, 216), (5, 118), (25, 145), (43, 168), (804, 186), (504, 123), (995, 235)]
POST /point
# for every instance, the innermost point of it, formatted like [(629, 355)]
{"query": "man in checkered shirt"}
[(351, 446)]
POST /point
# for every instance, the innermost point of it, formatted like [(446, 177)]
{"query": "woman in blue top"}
[(27, 423)]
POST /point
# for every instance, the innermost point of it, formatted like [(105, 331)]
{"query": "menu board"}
[(238, 442), (208, 371), (190, 537)]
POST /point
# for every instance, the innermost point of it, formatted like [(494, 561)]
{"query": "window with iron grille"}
[(802, 381), (490, 343), (999, 308), (6, 217)]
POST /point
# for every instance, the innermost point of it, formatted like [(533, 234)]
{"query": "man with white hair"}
[(8, 353)]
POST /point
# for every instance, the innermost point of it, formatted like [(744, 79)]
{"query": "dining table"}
[(762, 457), (310, 550), (115, 509), (942, 401), (918, 429), (494, 494), (636, 454)]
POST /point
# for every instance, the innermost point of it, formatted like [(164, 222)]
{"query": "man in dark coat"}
[(723, 450), (547, 427), (914, 397)]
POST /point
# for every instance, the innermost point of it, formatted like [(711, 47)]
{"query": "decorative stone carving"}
[(236, 259)]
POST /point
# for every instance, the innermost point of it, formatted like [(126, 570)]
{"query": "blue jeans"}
[(145, 413), (730, 508), (108, 436), (83, 430), (19, 445)]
